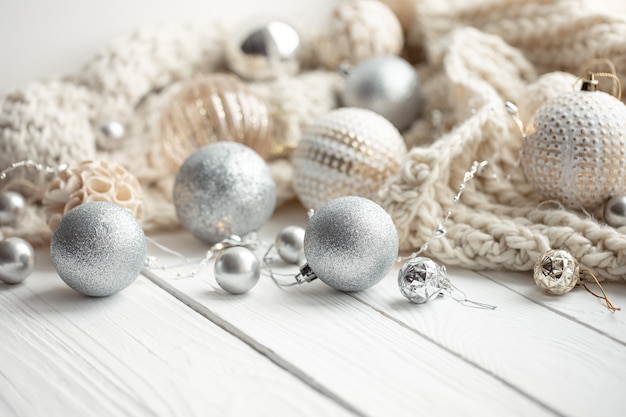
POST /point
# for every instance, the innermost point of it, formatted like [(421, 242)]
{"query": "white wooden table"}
[(167, 347)]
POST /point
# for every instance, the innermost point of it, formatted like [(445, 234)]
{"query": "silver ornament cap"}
[(237, 270), (17, 260), (11, 206), (290, 244), (420, 279), (224, 189), (387, 85), (556, 272), (351, 243), (98, 248)]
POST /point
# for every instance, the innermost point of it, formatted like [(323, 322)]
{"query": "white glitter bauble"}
[(348, 151), (351, 243), (387, 85), (575, 150), (556, 272), (98, 248), (359, 30), (224, 189)]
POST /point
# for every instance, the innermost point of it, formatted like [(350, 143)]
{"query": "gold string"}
[(604, 297), (615, 78)]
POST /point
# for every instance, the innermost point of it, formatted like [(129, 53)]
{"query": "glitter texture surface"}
[(98, 248), (224, 189), (575, 150), (351, 243)]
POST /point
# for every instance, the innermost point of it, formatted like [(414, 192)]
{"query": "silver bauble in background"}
[(351, 243), (17, 260), (224, 189), (615, 211), (11, 206), (387, 85), (347, 151), (98, 248), (290, 244)]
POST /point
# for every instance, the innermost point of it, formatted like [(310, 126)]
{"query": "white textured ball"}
[(224, 189), (351, 243), (575, 150), (348, 151), (387, 85), (98, 248)]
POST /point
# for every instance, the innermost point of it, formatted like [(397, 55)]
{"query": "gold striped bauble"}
[(211, 108), (348, 151), (575, 149)]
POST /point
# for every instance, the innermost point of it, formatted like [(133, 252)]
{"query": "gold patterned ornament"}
[(212, 108), (348, 151), (575, 148), (92, 181)]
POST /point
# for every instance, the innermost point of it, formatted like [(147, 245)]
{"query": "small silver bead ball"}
[(351, 243), (17, 260), (110, 135), (224, 189), (387, 85), (98, 248), (237, 270), (11, 206), (276, 40), (615, 211), (290, 244)]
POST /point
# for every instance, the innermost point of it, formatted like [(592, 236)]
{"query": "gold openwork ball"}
[(92, 181), (212, 108), (348, 151), (575, 150), (556, 271)]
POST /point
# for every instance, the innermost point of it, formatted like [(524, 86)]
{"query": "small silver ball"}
[(224, 189), (237, 270), (98, 248), (351, 243), (387, 85), (556, 271), (420, 279), (111, 134), (278, 41), (17, 260), (290, 244), (615, 211), (11, 206)]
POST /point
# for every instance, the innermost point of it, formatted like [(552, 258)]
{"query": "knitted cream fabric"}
[(473, 56)]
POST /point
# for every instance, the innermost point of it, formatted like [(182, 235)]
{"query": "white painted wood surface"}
[(166, 347)]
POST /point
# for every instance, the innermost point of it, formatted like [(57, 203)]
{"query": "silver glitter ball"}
[(110, 135), (224, 189), (11, 206), (420, 279), (290, 244), (615, 211), (237, 270), (276, 40), (387, 85), (98, 248), (351, 243), (556, 272), (17, 260)]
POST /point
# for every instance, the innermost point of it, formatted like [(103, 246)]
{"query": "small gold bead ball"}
[(348, 151), (556, 271), (212, 108), (575, 150)]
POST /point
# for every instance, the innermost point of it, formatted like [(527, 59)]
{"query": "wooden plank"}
[(571, 368), (140, 352), (327, 338)]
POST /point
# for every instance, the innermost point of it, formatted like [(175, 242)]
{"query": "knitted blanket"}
[(472, 58)]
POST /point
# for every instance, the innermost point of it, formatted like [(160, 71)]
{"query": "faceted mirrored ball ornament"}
[(17, 260), (351, 243), (387, 85), (224, 189), (420, 279), (237, 270), (348, 151), (98, 248), (556, 271), (575, 150)]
